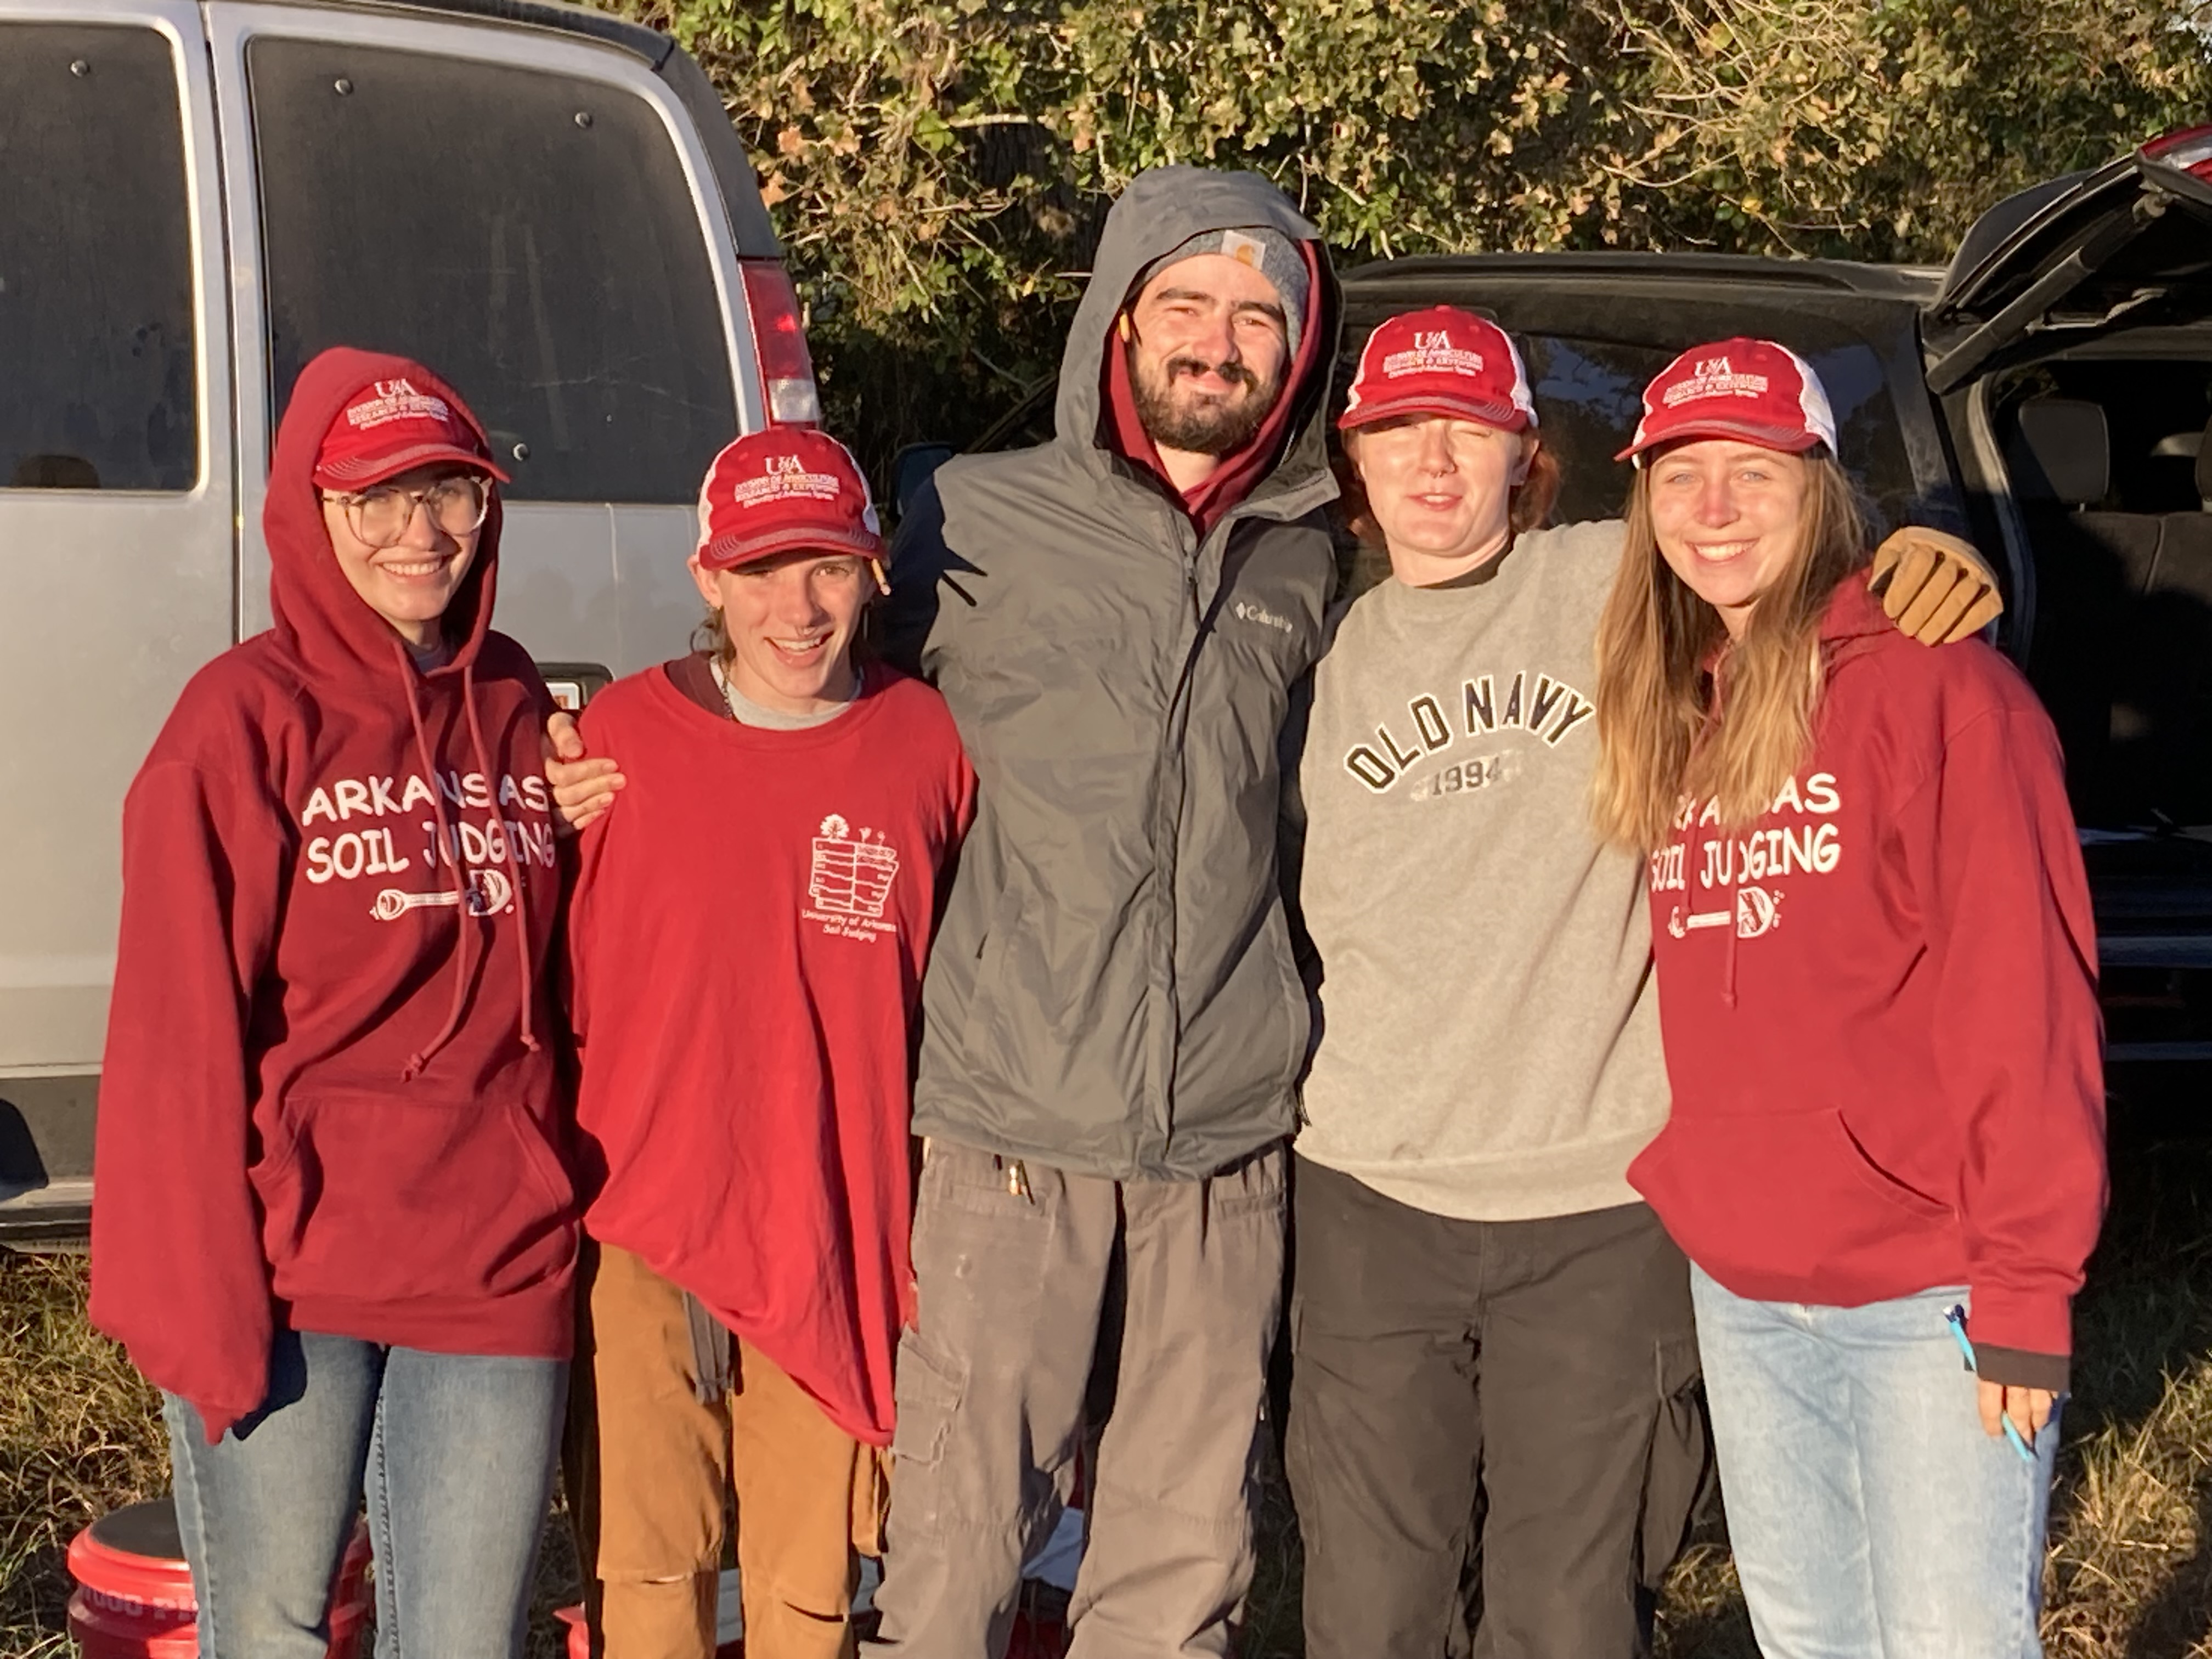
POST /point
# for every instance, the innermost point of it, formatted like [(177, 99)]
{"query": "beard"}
[(1176, 417)]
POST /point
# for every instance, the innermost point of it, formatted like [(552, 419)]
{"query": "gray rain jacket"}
[(1112, 990)]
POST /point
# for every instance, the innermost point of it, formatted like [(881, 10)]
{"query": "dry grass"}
[(2130, 1568), (80, 1432)]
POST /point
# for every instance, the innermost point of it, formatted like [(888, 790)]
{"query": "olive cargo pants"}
[(652, 1469), (1014, 1265)]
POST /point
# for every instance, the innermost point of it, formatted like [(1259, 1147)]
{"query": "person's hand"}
[(1938, 589), (583, 786), (2029, 1408)]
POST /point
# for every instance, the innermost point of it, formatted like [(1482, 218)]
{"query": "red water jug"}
[(134, 1595)]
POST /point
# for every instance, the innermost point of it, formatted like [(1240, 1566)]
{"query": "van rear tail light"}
[(779, 344), (2189, 149)]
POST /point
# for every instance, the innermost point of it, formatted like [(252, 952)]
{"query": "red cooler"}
[(134, 1597)]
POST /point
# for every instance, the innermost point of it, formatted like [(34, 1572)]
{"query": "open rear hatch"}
[(2128, 244), (2096, 255)]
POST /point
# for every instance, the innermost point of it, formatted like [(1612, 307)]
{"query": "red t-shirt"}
[(746, 942)]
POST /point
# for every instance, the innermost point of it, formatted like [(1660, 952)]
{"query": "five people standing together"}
[(1036, 898)]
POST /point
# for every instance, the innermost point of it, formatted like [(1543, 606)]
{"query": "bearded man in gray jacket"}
[(1114, 1023)]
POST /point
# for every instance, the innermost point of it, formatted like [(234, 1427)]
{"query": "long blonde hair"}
[(1681, 711)]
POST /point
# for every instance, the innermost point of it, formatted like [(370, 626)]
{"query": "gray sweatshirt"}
[(1488, 1042)]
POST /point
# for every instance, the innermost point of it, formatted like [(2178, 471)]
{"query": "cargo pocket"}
[(925, 1392), (1679, 1479)]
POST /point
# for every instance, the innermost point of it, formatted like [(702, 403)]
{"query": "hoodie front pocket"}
[(1778, 1196), (384, 1198)]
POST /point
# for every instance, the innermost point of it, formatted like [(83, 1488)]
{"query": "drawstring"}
[(1727, 961), (449, 845), (514, 864), (1733, 849)]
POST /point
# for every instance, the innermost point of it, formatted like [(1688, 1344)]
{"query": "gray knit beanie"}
[(1270, 252)]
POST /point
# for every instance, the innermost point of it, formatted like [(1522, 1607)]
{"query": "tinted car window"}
[(96, 326), (530, 236)]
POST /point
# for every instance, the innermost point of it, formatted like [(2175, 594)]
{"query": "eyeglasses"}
[(379, 516)]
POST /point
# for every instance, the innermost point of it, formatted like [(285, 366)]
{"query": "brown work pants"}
[(652, 1469)]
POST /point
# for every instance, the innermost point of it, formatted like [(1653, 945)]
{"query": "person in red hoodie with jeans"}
[(334, 1224), (747, 938), (1877, 994)]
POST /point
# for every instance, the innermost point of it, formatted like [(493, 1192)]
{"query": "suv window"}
[(1589, 355), (1590, 393), (530, 236), (96, 322)]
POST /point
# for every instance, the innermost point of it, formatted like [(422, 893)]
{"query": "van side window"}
[(530, 235), (97, 387)]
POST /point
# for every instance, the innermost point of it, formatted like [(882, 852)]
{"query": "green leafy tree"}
[(938, 168)]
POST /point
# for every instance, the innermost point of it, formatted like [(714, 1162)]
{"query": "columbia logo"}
[(1245, 610)]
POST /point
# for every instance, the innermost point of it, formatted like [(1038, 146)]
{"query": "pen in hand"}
[(1956, 1319)]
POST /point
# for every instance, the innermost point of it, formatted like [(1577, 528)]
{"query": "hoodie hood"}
[(1163, 209), (318, 617)]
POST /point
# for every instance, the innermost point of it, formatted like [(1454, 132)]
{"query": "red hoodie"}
[(326, 1103), (1880, 1009), (747, 939)]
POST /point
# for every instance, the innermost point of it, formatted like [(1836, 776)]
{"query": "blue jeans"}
[(1870, 1516), (456, 1455)]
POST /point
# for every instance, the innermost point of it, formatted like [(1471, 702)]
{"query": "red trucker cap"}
[(1443, 361), (1755, 390), (387, 427), (781, 490)]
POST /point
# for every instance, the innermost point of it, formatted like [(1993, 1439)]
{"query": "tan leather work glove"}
[(1938, 589)]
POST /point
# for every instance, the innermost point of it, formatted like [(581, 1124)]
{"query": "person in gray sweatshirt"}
[(1486, 1321)]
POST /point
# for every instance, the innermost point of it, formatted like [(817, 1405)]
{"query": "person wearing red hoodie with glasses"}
[(1877, 995), (334, 1223)]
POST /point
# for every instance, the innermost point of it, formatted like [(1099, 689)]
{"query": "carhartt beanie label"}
[(1268, 251)]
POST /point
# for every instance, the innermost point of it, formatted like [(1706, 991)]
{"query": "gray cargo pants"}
[(1013, 1268)]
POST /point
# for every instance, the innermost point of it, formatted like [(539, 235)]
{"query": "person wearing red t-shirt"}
[(746, 942)]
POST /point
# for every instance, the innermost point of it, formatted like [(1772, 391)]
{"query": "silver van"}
[(546, 204)]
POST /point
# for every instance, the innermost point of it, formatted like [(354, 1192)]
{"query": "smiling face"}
[(1207, 359), (410, 582), (791, 620), (1727, 516), (1440, 489)]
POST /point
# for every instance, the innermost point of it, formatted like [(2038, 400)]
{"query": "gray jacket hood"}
[(1163, 209)]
